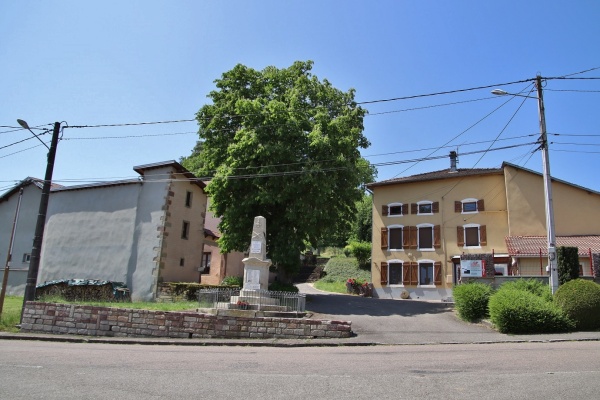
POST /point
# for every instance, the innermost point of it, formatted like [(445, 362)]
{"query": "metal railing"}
[(259, 300)]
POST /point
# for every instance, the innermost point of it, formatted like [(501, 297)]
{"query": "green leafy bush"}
[(339, 269), (233, 281), (533, 286), (471, 300), (580, 301), (520, 311), (282, 287), (361, 251)]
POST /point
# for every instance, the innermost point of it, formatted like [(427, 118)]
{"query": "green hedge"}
[(471, 300), (339, 269), (520, 311), (532, 286), (580, 301)]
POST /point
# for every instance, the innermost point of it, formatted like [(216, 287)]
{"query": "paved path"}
[(386, 321)]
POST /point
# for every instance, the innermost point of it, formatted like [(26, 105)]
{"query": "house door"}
[(455, 270)]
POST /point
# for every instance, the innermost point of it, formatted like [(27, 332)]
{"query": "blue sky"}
[(116, 62)]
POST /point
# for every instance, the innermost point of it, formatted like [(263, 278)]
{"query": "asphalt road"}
[(387, 321), (51, 370)]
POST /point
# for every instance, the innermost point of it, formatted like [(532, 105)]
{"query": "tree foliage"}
[(567, 263), (282, 144)]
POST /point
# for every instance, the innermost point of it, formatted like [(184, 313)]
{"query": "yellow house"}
[(424, 225)]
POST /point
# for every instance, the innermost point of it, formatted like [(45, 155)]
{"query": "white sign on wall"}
[(255, 247), (472, 268)]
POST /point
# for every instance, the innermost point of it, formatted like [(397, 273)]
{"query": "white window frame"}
[(469, 200), (432, 285), (504, 268), (390, 210), (478, 226), (396, 261), (390, 237), (419, 226), (423, 202)]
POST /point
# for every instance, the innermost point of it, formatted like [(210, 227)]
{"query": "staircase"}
[(311, 272)]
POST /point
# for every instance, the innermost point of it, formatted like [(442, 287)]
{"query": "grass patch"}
[(334, 287), (11, 313)]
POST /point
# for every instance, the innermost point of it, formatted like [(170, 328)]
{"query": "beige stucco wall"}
[(174, 247), (490, 188), (576, 210)]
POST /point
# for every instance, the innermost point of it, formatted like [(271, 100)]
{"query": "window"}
[(424, 208), (469, 206), (181, 262), (501, 269), (185, 230), (395, 237), (26, 257), (425, 237), (430, 273), (394, 210), (426, 273), (188, 199), (471, 235), (395, 273), (205, 267)]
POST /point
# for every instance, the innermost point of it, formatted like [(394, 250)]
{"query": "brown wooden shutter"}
[(458, 206), (435, 207), (405, 209), (413, 208), (384, 238), (437, 273), (480, 205), (482, 236), (414, 273), (460, 236), (383, 273), (437, 237), (406, 273), (384, 210), (406, 237), (413, 237)]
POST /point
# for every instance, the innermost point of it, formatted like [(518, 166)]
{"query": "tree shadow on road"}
[(346, 305)]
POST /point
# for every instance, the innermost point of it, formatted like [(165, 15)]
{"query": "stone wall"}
[(122, 322)]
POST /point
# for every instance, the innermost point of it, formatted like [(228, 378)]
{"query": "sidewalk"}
[(374, 321)]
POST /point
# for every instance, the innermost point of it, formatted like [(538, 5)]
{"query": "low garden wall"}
[(123, 322)]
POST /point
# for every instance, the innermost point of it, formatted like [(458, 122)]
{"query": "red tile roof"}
[(527, 246)]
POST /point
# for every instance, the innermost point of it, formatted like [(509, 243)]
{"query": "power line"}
[(132, 124), (129, 136)]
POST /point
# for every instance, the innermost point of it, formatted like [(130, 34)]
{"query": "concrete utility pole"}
[(34, 263), (551, 236)]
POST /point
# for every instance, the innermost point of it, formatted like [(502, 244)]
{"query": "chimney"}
[(453, 157)]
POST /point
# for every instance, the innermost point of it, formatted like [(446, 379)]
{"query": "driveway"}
[(386, 321)]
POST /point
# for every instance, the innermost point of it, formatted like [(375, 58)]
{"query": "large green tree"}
[(285, 145)]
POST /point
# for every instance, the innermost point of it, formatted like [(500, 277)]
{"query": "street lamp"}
[(34, 262), (547, 180)]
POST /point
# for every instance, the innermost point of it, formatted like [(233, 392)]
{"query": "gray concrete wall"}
[(23, 241)]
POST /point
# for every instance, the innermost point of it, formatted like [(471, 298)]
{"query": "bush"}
[(282, 287), (580, 301), (361, 251), (339, 269), (233, 281), (520, 311), (471, 300), (567, 259), (532, 286)]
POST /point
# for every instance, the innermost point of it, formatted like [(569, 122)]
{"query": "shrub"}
[(520, 311), (580, 301), (533, 286), (471, 300), (282, 287), (567, 259), (339, 269), (361, 251), (233, 281)]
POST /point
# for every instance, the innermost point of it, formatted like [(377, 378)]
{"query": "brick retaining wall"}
[(122, 322)]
